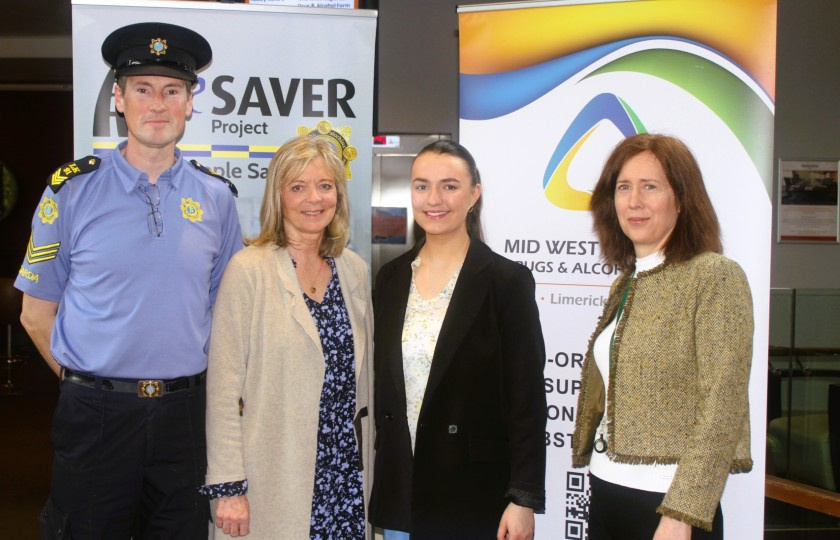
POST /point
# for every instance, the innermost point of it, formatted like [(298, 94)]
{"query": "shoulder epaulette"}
[(74, 168), (214, 174)]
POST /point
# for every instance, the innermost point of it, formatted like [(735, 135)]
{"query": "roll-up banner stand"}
[(546, 91), (277, 72)]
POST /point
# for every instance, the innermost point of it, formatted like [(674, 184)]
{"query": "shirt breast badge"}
[(48, 211), (191, 210)]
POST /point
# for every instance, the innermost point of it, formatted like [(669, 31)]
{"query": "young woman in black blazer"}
[(459, 356)]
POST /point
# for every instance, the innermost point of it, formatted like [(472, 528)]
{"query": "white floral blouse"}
[(423, 319)]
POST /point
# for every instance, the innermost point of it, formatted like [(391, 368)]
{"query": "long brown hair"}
[(697, 229), (288, 164)]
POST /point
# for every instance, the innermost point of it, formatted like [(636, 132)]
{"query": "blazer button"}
[(453, 429), (389, 417)]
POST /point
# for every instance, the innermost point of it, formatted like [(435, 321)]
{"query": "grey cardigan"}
[(264, 348)]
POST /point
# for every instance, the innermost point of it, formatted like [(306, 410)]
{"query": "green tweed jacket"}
[(678, 380)]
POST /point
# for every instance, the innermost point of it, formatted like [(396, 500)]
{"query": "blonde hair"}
[(287, 165)]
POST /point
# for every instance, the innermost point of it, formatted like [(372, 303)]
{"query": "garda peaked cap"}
[(154, 48)]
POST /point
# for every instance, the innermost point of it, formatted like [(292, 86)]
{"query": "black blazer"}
[(480, 436)]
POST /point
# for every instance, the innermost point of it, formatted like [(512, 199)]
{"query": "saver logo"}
[(602, 109), (338, 137)]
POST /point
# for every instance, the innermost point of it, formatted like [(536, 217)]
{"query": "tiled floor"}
[(25, 450), (26, 456)]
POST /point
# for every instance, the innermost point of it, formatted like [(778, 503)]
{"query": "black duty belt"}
[(147, 388)]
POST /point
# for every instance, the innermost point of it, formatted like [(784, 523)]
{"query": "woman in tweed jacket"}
[(669, 360)]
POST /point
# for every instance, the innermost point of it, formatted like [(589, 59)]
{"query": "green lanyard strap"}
[(600, 444), (618, 315)]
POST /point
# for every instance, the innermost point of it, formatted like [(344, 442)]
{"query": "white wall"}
[(807, 123)]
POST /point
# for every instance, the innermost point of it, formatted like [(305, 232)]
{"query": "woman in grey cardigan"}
[(290, 375), (663, 410)]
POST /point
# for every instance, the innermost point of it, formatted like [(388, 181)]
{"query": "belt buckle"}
[(150, 389)]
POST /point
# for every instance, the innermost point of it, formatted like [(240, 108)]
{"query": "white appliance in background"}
[(391, 195)]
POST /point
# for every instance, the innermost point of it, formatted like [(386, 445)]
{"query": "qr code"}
[(577, 506)]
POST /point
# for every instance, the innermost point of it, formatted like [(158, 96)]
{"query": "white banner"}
[(276, 72), (547, 90)]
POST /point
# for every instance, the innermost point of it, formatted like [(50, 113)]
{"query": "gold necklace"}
[(312, 288)]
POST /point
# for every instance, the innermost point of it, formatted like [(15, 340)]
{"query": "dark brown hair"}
[(121, 82), (451, 148), (697, 229)]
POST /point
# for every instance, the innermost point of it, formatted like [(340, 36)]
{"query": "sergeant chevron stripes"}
[(36, 254)]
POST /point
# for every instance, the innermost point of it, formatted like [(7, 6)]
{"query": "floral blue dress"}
[(338, 510), (338, 497)]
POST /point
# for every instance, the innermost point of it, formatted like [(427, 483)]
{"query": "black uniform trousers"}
[(126, 466)]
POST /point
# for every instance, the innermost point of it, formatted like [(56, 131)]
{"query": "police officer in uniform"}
[(120, 275)]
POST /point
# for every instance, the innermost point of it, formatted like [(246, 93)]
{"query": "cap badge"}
[(157, 46)]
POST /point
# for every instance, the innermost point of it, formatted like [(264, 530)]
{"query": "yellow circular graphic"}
[(339, 138)]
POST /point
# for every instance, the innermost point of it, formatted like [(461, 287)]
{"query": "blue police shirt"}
[(132, 304)]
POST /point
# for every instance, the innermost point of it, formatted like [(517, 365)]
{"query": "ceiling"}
[(35, 45), (34, 18)]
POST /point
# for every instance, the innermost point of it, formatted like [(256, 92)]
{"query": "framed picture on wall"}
[(808, 202)]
